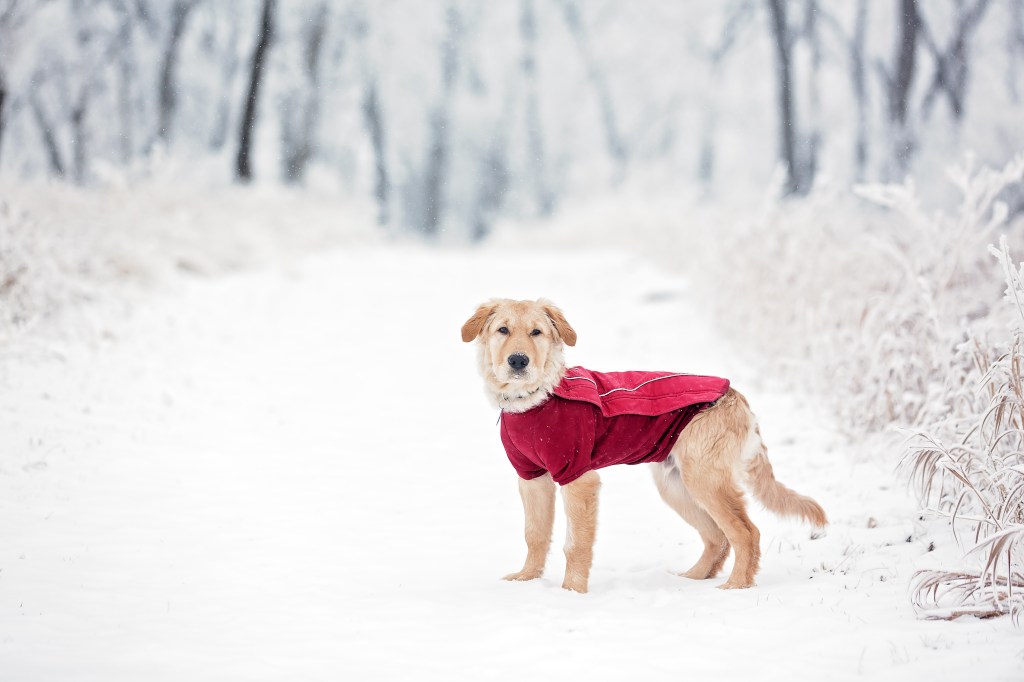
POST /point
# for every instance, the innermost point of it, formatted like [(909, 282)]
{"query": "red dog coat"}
[(597, 419)]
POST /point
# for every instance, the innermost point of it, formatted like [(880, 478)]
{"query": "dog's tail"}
[(777, 497)]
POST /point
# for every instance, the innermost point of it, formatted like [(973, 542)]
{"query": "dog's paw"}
[(730, 585), (575, 585), (696, 574), (523, 575)]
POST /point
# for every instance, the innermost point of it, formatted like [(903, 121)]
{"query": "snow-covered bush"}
[(62, 246), (41, 271), (863, 304), (971, 470)]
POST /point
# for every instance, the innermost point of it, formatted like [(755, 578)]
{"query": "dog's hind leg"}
[(725, 504), (716, 547), (580, 498), (709, 453), (538, 496)]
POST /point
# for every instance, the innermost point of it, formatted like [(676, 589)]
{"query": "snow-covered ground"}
[(293, 474)]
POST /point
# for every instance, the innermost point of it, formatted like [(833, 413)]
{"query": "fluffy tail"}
[(777, 497)]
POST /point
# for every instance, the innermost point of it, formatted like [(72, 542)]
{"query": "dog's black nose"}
[(518, 361)]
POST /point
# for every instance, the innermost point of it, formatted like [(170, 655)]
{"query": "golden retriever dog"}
[(718, 453)]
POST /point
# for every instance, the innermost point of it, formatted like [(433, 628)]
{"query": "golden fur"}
[(718, 454)]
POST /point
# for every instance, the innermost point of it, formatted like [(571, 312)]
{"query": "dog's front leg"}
[(581, 511), (539, 506)]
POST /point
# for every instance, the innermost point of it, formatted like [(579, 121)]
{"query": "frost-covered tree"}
[(439, 150), (372, 110), (168, 92), (264, 36), (898, 81), (799, 169), (301, 104), (952, 60), (454, 114)]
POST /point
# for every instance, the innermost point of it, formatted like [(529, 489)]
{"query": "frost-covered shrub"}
[(40, 271), (971, 470), (62, 246), (864, 304)]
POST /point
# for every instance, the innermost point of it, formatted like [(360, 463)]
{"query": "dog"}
[(560, 424)]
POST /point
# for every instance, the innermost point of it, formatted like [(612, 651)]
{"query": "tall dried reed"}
[(975, 477)]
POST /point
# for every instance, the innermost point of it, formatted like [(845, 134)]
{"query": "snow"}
[(292, 473)]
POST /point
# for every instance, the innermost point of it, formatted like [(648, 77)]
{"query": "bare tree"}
[(735, 22), (951, 61), (440, 129), (613, 139), (543, 199), (796, 180), (229, 62), (3, 101), (1014, 47), (858, 76), (854, 44), (79, 135), (302, 109), (374, 120), (8, 16), (373, 114), (126, 60), (814, 126), (494, 183), (13, 15), (54, 157), (899, 82), (168, 93), (88, 63), (264, 37)]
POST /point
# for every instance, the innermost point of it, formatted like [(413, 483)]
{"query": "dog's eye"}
[(535, 332), (503, 330)]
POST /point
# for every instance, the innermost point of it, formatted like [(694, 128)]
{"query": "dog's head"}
[(520, 345)]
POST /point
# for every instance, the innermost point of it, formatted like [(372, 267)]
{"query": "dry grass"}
[(975, 477)]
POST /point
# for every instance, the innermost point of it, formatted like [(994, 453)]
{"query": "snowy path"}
[(295, 476)]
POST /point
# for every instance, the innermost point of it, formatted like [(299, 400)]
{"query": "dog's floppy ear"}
[(475, 324), (557, 318)]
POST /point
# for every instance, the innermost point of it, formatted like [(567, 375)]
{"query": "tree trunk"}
[(263, 39), (373, 116), (814, 135), (168, 94), (1014, 48), (375, 127), (951, 63), (613, 139), (493, 184), (901, 82), (299, 136), (79, 141), (53, 155), (221, 121), (3, 101), (437, 156), (787, 111), (731, 31), (126, 73), (860, 89), (544, 202)]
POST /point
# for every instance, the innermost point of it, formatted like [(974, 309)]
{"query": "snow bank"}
[(61, 245)]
